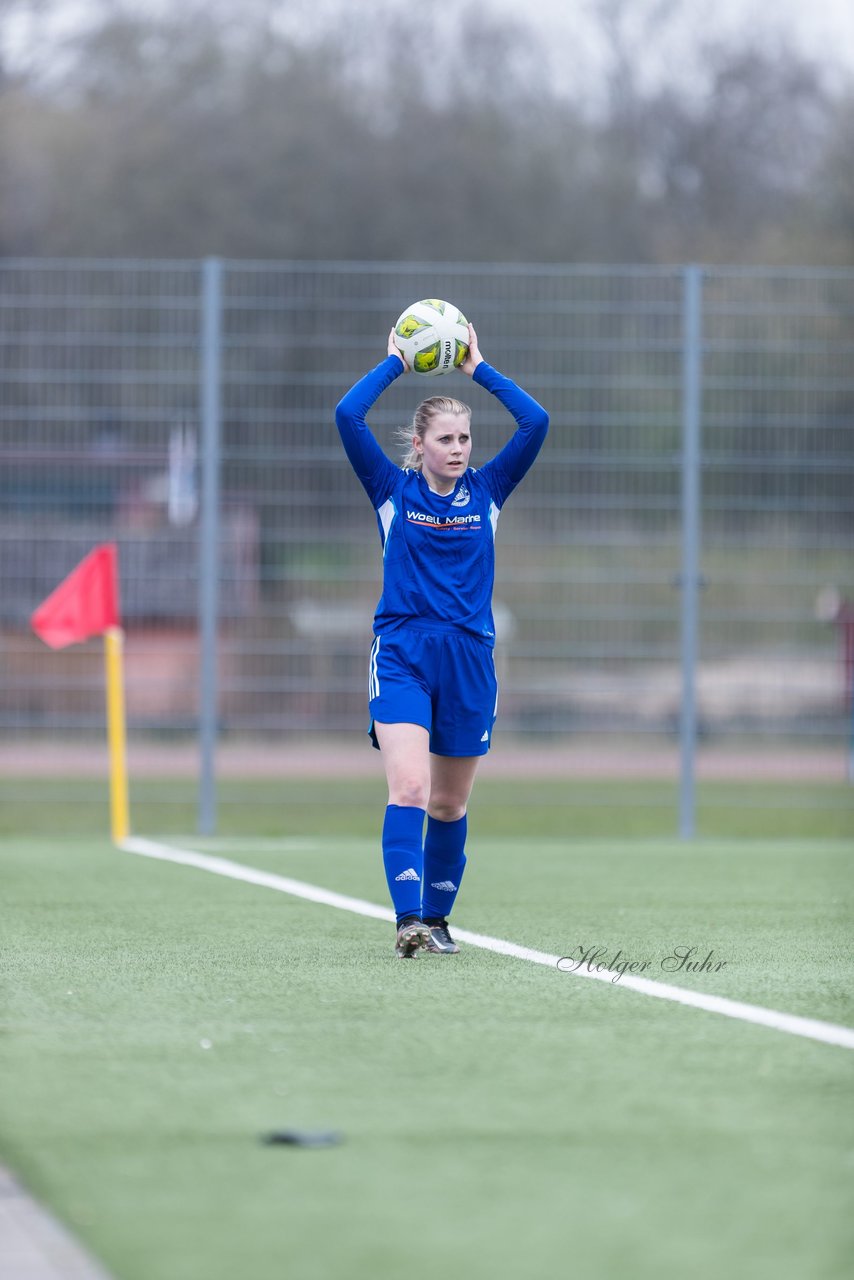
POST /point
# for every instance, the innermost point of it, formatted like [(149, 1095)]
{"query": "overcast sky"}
[(822, 28)]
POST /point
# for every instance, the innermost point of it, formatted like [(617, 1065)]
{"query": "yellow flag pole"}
[(116, 734)]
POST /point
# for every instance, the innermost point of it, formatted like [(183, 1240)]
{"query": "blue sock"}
[(403, 857), (444, 864)]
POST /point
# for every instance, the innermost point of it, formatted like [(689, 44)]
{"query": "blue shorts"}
[(443, 680)]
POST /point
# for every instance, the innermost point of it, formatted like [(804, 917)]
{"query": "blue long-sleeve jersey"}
[(438, 550)]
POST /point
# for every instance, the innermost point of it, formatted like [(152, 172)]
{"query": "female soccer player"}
[(432, 685)]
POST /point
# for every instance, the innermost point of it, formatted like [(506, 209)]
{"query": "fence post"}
[(209, 537), (692, 340)]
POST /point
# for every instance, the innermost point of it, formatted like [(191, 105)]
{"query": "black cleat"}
[(441, 943), (412, 935)]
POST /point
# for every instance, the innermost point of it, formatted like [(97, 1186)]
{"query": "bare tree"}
[(208, 130)]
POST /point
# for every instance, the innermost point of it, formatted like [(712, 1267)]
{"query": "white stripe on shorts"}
[(373, 678)]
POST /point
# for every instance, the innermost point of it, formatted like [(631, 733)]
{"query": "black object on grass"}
[(302, 1138)]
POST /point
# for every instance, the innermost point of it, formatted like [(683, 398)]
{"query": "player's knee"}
[(446, 808), (410, 792)]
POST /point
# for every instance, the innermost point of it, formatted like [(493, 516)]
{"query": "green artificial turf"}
[(528, 808), (499, 1118)]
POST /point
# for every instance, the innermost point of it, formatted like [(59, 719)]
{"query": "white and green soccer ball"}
[(433, 336)]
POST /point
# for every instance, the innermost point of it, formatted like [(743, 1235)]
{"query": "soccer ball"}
[(433, 336)]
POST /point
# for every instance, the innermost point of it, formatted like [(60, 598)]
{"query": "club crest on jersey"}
[(463, 498)]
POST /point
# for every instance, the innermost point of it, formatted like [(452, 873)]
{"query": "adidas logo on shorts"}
[(409, 874), (447, 886)]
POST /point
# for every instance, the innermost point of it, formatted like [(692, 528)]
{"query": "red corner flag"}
[(85, 604)]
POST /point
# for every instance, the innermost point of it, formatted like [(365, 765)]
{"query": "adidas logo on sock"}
[(409, 874), (447, 885)]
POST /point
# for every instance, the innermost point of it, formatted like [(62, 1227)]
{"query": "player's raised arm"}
[(374, 470), (508, 467)]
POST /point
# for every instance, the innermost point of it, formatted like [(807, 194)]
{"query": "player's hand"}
[(474, 358), (394, 350)]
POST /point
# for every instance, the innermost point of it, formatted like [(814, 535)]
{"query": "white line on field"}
[(280, 844), (810, 1028), (35, 1246)]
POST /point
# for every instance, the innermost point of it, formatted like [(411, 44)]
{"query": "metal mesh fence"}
[(99, 368), (100, 421), (778, 483), (601, 351)]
